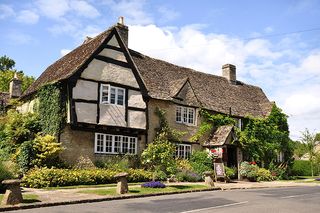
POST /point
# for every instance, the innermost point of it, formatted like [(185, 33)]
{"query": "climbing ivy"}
[(211, 121), (164, 129), (51, 108)]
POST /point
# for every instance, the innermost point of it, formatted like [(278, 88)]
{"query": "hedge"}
[(44, 177), (302, 168)]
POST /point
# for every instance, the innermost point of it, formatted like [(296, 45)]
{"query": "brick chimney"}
[(123, 30), (229, 72), (15, 87)]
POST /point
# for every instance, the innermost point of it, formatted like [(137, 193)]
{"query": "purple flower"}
[(317, 179), (153, 184)]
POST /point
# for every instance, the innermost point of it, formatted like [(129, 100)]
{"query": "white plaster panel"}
[(102, 71), (113, 54), (86, 113), (137, 119), (114, 42), (86, 90), (28, 106), (135, 99), (112, 115)]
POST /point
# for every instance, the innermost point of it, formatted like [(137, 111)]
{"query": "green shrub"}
[(45, 177), (25, 156), (302, 168), (183, 164), (189, 176), (159, 175), (4, 174), (119, 162), (264, 175), (278, 172), (231, 172), (200, 162), (47, 150), (249, 170)]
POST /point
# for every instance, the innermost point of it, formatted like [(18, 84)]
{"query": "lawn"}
[(27, 198), (140, 190), (88, 186)]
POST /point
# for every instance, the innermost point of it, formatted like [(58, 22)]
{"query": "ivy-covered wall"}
[(52, 108)]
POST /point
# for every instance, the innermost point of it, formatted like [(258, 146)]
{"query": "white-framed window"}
[(280, 156), (185, 115), (239, 123), (112, 95), (183, 151), (115, 144)]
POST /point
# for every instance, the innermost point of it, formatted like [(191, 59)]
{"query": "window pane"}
[(185, 115), (191, 117), (117, 143), (120, 96), (104, 94), (108, 143), (99, 143), (125, 144), (113, 95), (132, 146), (178, 114)]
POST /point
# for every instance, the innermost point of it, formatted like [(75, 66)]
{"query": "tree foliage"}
[(7, 72), (263, 138), (310, 141), (51, 109)]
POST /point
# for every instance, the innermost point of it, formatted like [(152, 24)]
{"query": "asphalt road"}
[(293, 199)]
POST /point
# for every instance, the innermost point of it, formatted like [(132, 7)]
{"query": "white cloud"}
[(27, 17), (57, 9), (17, 38), (311, 64), (53, 8), (167, 14), (132, 10), (84, 9), (268, 29), (64, 52), (6, 11)]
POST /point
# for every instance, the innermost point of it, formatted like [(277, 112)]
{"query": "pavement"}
[(72, 196)]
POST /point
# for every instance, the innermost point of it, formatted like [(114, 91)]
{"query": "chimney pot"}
[(123, 30), (121, 20), (229, 72)]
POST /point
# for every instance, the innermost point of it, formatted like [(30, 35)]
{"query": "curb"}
[(121, 197)]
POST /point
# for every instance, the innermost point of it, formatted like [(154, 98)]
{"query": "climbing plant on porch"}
[(209, 122)]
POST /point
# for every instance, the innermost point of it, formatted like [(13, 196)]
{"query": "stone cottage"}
[(112, 93)]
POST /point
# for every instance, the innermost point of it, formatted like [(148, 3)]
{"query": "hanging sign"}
[(216, 152)]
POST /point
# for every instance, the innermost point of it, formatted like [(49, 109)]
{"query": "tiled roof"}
[(214, 92), (163, 80), (220, 136)]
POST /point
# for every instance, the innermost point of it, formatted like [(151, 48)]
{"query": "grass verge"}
[(27, 198), (140, 190), (88, 186)]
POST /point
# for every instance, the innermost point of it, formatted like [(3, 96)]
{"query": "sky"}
[(274, 44)]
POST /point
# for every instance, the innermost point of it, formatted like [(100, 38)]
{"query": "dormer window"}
[(112, 95), (185, 115)]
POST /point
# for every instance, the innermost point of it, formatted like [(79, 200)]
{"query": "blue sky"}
[(274, 44)]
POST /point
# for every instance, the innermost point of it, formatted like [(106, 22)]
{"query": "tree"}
[(6, 63), (263, 138), (300, 149), (7, 72), (310, 141)]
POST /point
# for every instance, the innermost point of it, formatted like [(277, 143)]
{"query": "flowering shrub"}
[(189, 176), (317, 179), (44, 177), (264, 175), (153, 184), (249, 171)]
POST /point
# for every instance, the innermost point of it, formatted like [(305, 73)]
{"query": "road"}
[(292, 199)]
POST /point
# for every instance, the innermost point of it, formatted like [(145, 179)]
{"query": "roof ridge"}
[(191, 69)]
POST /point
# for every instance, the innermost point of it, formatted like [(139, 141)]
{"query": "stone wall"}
[(170, 109), (79, 145)]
